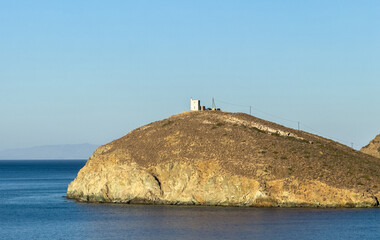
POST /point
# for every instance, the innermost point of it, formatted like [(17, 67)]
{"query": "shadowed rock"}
[(228, 159)]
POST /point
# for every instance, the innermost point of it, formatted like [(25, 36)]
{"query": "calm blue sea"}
[(32, 206)]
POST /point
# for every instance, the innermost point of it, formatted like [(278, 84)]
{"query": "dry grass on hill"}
[(248, 146)]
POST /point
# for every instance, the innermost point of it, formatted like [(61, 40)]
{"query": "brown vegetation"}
[(247, 146)]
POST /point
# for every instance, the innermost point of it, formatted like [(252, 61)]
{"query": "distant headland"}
[(227, 159)]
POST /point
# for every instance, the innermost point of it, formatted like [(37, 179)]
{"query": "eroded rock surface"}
[(373, 148), (218, 158)]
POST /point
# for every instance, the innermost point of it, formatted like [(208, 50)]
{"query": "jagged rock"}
[(228, 159), (373, 148)]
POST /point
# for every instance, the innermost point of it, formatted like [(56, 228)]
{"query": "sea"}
[(33, 206)]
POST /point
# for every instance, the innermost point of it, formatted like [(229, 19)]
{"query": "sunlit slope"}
[(219, 158), (373, 148)]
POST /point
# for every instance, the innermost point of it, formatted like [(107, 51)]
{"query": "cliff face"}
[(218, 158), (373, 148)]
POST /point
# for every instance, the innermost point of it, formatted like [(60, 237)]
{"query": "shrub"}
[(366, 177), (167, 123)]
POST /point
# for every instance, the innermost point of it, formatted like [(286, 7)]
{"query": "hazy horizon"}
[(63, 144), (91, 71), (49, 152)]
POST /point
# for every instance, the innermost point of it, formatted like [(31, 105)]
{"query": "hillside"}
[(373, 148), (219, 158)]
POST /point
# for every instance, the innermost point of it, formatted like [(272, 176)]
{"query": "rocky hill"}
[(373, 148), (229, 159)]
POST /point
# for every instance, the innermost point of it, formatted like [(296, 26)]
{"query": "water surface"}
[(32, 206)]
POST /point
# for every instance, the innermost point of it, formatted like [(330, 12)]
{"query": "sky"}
[(91, 71)]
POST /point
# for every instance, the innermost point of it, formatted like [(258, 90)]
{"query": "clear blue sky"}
[(90, 71)]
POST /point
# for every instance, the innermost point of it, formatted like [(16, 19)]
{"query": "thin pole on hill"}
[(306, 127)]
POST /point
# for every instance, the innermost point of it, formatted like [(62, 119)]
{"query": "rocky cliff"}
[(373, 148), (229, 159)]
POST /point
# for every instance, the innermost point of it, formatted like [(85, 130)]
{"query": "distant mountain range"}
[(66, 151)]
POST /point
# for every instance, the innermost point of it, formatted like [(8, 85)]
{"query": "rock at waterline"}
[(228, 159)]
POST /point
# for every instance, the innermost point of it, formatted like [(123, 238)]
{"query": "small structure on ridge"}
[(195, 105)]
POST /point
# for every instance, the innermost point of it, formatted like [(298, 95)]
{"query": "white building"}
[(195, 105)]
